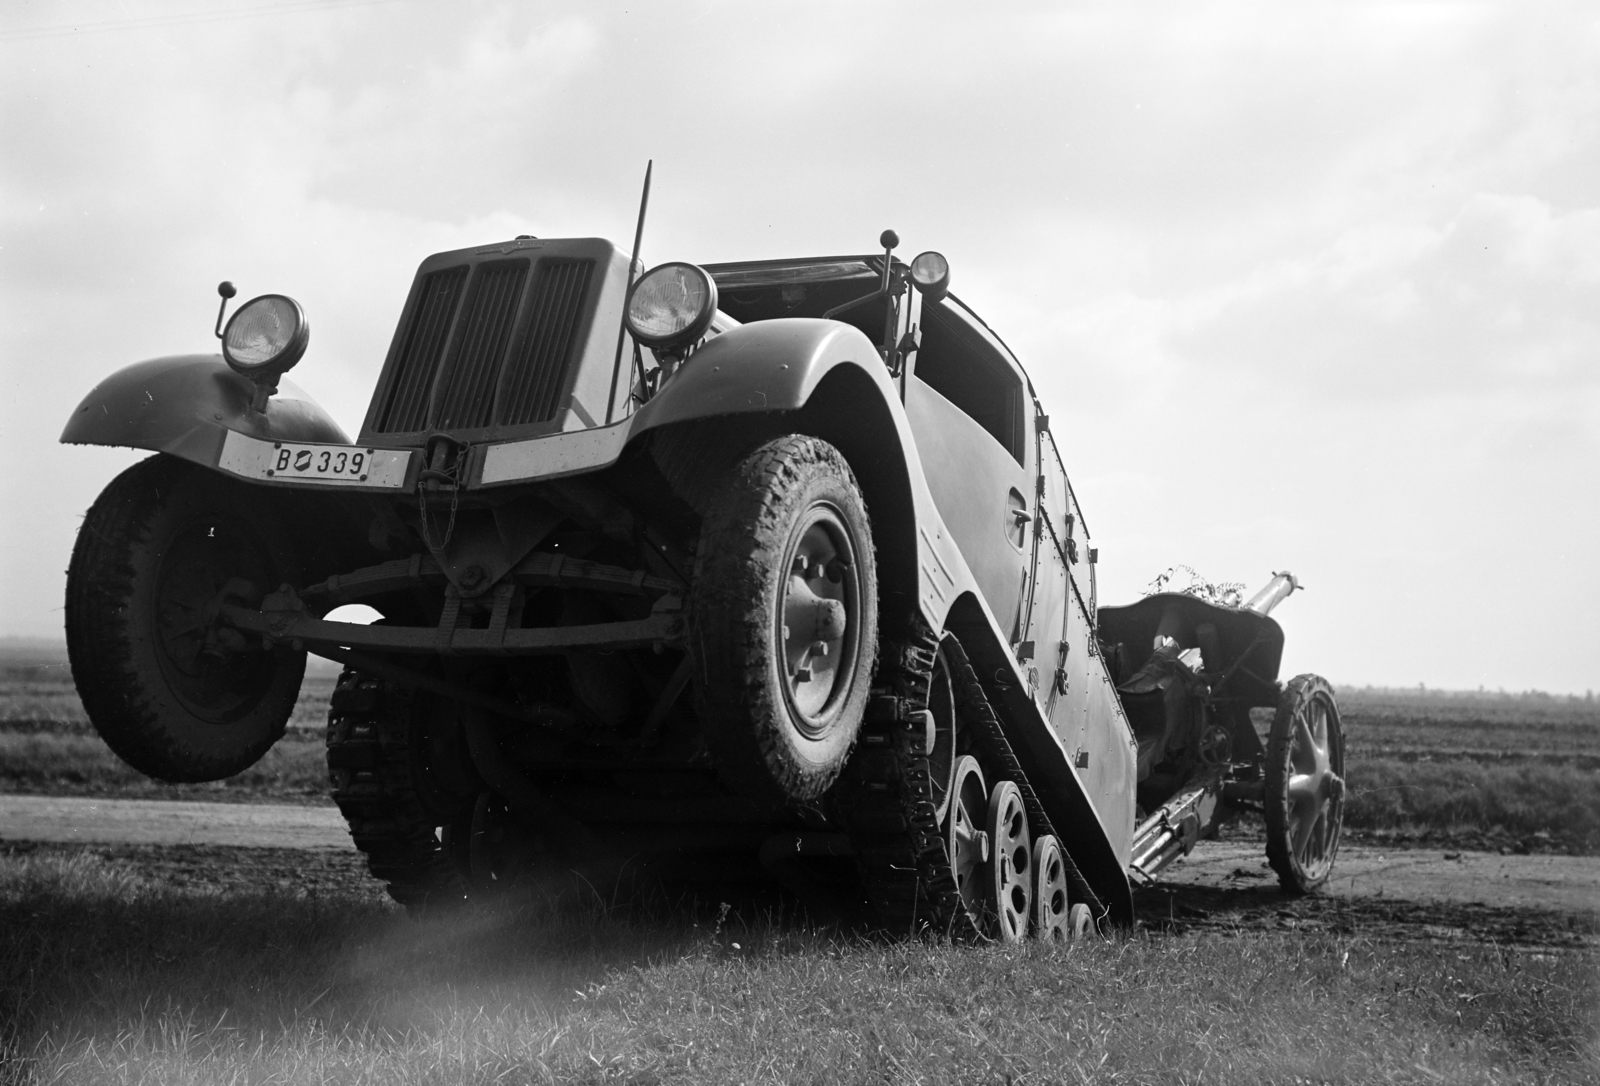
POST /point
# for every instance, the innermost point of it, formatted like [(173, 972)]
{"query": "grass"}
[(1524, 805), (1517, 771), (38, 696), (106, 976), (295, 770), (48, 746)]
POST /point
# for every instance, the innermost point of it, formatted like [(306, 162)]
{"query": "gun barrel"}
[(1273, 593)]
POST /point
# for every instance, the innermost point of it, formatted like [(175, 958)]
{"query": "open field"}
[(1409, 725), (1519, 772), (48, 746), (1514, 771), (37, 695), (166, 966)]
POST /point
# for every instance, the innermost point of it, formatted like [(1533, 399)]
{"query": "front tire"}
[(175, 694), (784, 620)]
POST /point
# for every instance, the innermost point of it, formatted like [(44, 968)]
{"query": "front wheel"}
[(784, 620), (176, 694), (1304, 785)]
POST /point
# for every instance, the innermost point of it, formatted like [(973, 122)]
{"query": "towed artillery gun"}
[(766, 569)]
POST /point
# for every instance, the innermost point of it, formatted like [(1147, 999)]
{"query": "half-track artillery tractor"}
[(767, 570)]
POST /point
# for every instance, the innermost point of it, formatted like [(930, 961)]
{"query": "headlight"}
[(671, 305), (930, 273), (265, 337)]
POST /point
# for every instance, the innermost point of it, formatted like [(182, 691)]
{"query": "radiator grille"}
[(474, 368), (494, 356), (418, 362), (538, 370)]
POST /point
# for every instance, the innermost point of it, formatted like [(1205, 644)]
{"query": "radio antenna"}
[(622, 328)]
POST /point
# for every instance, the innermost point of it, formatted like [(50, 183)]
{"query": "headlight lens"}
[(266, 336), (930, 273), (671, 305)]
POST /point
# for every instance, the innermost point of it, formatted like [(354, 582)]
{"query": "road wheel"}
[(1304, 785), (1050, 907), (966, 841), (1080, 922), (176, 694), (1010, 862), (784, 620)]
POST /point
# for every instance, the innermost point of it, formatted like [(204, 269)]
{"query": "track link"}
[(375, 772), (888, 806)]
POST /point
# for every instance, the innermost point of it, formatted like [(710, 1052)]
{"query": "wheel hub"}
[(212, 668), (820, 599), (966, 841)]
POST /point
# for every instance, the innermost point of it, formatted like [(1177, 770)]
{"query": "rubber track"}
[(888, 802), (373, 774)]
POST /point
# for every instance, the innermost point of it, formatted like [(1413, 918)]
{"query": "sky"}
[(1302, 286)]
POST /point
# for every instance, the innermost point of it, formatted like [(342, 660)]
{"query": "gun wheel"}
[(1011, 862), (1304, 785)]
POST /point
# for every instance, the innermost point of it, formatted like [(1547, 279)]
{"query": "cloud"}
[(1309, 286)]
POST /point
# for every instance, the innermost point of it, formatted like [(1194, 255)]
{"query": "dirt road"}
[(1565, 883), (77, 820), (1523, 902), (1537, 901)]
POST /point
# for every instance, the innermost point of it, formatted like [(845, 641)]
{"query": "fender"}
[(767, 366), (185, 405)]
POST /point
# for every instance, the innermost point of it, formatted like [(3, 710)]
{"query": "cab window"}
[(958, 363)]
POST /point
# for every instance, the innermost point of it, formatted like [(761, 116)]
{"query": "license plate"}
[(300, 461)]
